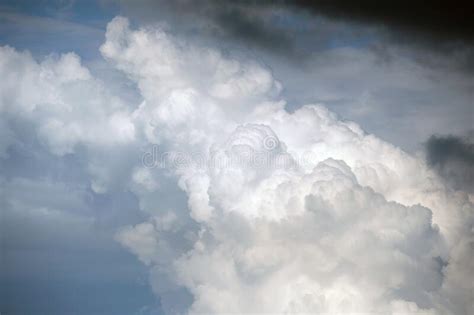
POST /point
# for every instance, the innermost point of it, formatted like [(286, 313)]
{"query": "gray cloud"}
[(445, 27), (445, 20), (251, 23), (453, 158)]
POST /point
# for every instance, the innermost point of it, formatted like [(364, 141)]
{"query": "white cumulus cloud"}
[(344, 223)]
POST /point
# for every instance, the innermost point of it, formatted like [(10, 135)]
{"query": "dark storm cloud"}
[(298, 29), (453, 158), (441, 19), (444, 28)]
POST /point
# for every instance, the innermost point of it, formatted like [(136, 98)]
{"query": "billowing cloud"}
[(297, 212), (283, 212), (68, 108), (49, 94)]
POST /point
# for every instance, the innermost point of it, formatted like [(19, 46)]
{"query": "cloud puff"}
[(63, 100), (347, 223), (67, 107)]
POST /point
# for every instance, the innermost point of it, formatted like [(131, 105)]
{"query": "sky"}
[(181, 157)]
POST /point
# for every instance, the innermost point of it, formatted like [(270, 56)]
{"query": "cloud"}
[(394, 83), (52, 101), (68, 109), (256, 209), (389, 92), (60, 129), (453, 158), (295, 29), (331, 233), (252, 24), (440, 20), (293, 236)]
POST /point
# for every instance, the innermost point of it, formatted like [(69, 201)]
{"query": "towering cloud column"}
[(303, 212)]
